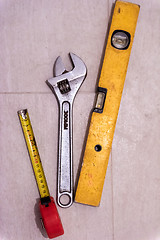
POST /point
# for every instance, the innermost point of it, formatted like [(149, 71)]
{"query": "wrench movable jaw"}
[(67, 96)]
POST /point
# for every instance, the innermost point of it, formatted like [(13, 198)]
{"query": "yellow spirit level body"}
[(102, 125), (33, 153)]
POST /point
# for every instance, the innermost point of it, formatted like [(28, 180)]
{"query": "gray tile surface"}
[(33, 34)]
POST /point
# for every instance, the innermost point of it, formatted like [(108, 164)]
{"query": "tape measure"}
[(104, 116), (49, 213)]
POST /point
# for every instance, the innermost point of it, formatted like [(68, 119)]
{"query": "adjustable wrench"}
[(65, 86)]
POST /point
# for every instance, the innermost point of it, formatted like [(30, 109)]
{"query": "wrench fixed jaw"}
[(79, 69), (68, 89)]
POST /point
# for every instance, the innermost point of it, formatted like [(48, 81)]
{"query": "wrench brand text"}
[(65, 120)]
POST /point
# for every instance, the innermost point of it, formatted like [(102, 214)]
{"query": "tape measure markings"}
[(33, 153)]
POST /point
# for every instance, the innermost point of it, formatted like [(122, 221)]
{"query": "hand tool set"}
[(65, 85)]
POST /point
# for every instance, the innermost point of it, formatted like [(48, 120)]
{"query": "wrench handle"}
[(65, 173)]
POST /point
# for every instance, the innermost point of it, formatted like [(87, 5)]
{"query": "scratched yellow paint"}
[(102, 125)]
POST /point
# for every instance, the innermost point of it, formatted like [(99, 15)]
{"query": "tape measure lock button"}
[(45, 201)]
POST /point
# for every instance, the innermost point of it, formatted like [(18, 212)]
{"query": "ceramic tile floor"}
[(33, 34)]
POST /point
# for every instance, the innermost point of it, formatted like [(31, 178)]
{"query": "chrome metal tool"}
[(65, 86)]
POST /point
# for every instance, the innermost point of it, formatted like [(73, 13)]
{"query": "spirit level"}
[(104, 116), (49, 213)]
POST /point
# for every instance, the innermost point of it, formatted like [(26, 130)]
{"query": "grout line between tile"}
[(5, 93)]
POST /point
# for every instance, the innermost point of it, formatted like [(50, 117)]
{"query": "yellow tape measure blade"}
[(33, 153)]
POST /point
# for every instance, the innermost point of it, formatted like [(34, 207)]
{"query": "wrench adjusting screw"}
[(64, 86)]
